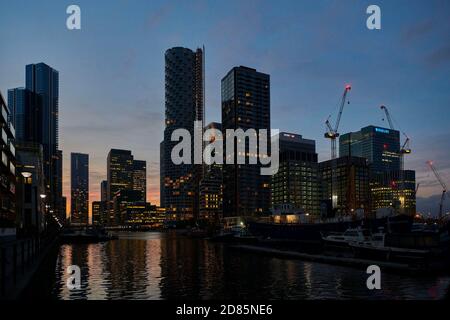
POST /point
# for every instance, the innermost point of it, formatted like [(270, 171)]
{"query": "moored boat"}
[(86, 235), (343, 239)]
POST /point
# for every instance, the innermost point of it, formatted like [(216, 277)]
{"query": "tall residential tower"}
[(245, 105), (184, 84)]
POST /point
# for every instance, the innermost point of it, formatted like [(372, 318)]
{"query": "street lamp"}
[(43, 196), (26, 174)]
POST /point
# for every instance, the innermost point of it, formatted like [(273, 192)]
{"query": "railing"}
[(17, 258)]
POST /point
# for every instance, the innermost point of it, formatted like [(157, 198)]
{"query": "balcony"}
[(4, 114)]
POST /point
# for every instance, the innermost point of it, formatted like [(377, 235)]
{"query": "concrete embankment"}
[(19, 260)]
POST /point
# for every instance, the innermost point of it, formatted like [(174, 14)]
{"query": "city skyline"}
[(301, 100)]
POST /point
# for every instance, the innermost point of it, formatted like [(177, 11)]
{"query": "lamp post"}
[(26, 174), (26, 190)]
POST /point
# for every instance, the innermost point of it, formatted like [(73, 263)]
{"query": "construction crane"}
[(417, 188), (443, 185), (332, 133), (405, 149)]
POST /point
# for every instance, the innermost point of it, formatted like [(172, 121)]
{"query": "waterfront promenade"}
[(19, 260)]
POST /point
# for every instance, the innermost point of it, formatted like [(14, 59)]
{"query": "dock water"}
[(19, 261)]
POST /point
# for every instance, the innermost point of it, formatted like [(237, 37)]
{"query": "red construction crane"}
[(332, 133), (443, 185)]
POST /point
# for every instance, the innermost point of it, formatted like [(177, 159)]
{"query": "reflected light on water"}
[(153, 265)]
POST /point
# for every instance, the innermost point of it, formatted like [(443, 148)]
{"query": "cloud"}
[(439, 56), (417, 31), (430, 147), (431, 204), (156, 17)]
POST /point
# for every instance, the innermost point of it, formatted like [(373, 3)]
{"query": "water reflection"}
[(169, 266)]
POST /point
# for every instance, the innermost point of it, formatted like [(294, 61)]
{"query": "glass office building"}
[(119, 171), (79, 193), (43, 80), (296, 182), (380, 146), (140, 178), (390, 187), (245, 105), (345, 185)]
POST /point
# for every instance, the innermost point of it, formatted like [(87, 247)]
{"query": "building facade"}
[(345, 185), (31, 197), (245, 105), (296, 183), (119, 171), (390, 186), (60, 202), (26, 114), (99, 213), (79, 193), (8, 218), (161, 175), (104, 190), (43, 80), (184, 104), (380, 146), (211, 184), (140, 178), (394, 189)]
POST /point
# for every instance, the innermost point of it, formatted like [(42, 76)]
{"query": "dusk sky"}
[(112, 70)]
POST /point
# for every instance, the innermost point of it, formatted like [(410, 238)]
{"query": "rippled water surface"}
[(169, 266)]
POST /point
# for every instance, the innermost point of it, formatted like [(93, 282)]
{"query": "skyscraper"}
[(140, 178), (37, 116), (184, 93), (380, 146), (79, 188), (104, 190), (390, 186), (26, 115), (161, 175), (59, 202), (245, 105), (296, 182), (119, 171)]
